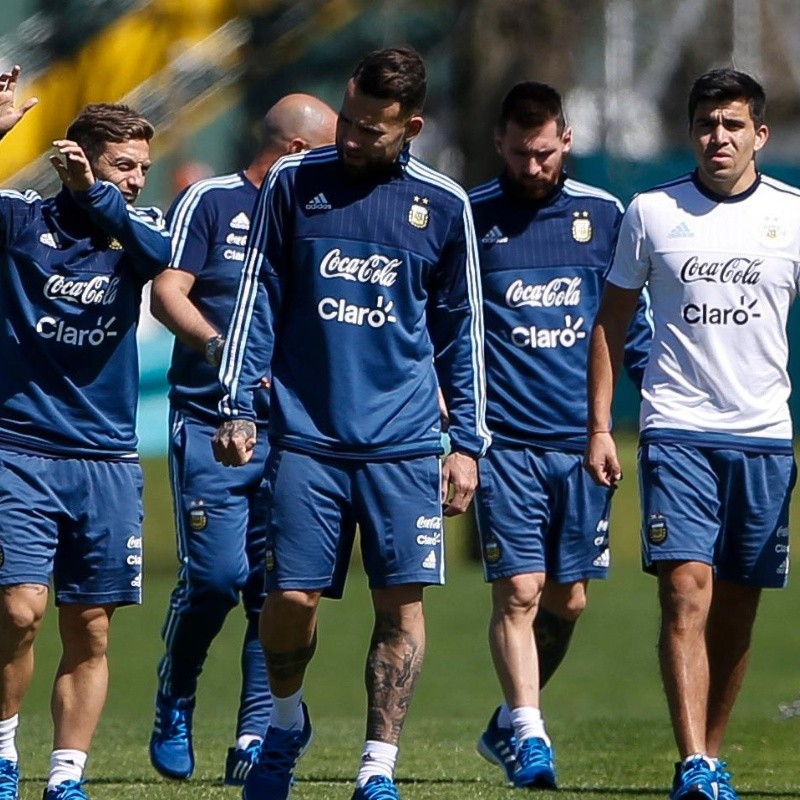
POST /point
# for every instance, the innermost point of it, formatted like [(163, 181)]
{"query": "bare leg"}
[(21, 611), (559, 608), (730, 623), (395, 659), (685, 589), (514, 604), (79, 692), (288, 629)]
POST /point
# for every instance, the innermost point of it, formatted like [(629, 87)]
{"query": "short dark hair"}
[(395, 73), (725, 85), (100, 123), (530, 105)]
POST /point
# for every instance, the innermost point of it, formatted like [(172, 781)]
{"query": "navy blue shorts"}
[(220, 513), (725, 508), (316, 503), (539, 511), (76, 520)]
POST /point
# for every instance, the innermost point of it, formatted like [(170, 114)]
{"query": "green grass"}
[(604, 709)]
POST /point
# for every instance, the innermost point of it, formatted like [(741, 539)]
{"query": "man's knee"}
[(518, 594), (685, 590), (21, 612), (566, 601), (84, 631)]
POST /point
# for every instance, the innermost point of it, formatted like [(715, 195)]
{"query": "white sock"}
[(245, 740), (377, 758), (528, 724), (287, 713), (8, 738), (504, 717), (712, 763), (66, 765)]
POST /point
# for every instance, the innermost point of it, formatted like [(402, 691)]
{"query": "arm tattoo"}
[(285, 666), (393, 666), (244, 426)]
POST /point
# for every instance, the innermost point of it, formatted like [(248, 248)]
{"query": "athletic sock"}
[(66, 765), (287, 713), (246, 739), (377, 758), (8, 738), (552, 636), (504, 717), (528, 724)]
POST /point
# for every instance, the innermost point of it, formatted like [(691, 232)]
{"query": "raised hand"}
[(9, 115), (75, 171)]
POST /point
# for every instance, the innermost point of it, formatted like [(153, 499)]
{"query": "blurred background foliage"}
[(205, 71)]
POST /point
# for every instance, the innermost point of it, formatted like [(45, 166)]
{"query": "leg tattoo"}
[(393, 666), (286, 666)]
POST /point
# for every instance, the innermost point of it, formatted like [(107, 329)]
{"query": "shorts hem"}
[(406, 580), (37, 580), (76, 598)]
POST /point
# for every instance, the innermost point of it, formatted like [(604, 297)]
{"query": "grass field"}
[(604, 709)]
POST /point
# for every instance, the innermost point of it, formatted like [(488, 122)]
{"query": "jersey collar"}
[(725, 198)]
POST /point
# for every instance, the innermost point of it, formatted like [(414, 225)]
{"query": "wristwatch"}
[(213, 350)]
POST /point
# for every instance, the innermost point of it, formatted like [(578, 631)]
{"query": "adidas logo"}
[(430, 560), (494, 236), (682, 231), (241, 222), (49, 240), (318, 203)]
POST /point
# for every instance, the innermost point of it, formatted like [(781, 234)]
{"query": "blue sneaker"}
[(239, 762), (725, 790), (68, 790), (695, 779), (378, 787), (534, 768), (270, 778), (171, 750), (497, 745), (9, 780)]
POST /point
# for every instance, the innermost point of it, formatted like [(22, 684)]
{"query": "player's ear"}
[(413, 127), (296, 145)]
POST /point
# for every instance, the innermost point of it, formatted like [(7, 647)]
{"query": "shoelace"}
[(177, 726), (279, 751), (533, 751), (379, 788), (8, 769), (69, 790), (697, 769)]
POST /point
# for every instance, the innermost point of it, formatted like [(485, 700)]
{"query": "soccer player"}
[(545, 244), (719, 250), (367, 257), (220, 514), (73, 268)]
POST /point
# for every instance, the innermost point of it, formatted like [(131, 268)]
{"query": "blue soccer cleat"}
[(68, 790), (378, 787), (171, 750), (9, 779), (497, 746), (695, 779), (239, 762), (270, 778), (534, 768), (725, 790)]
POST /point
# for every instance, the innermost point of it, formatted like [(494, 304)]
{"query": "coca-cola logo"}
[(557, 292), (737, 270), (374, 269), (95, 291)]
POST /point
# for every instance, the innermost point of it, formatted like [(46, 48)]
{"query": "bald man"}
[(220, 515)]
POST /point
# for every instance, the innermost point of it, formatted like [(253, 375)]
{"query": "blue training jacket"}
[(543, 265), (373, 295), (209, 223), (72, 268)]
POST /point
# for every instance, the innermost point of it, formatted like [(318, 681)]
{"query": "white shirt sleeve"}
[(631, 266)]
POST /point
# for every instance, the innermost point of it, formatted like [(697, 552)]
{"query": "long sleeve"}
[(455, 324), (140, 232)]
